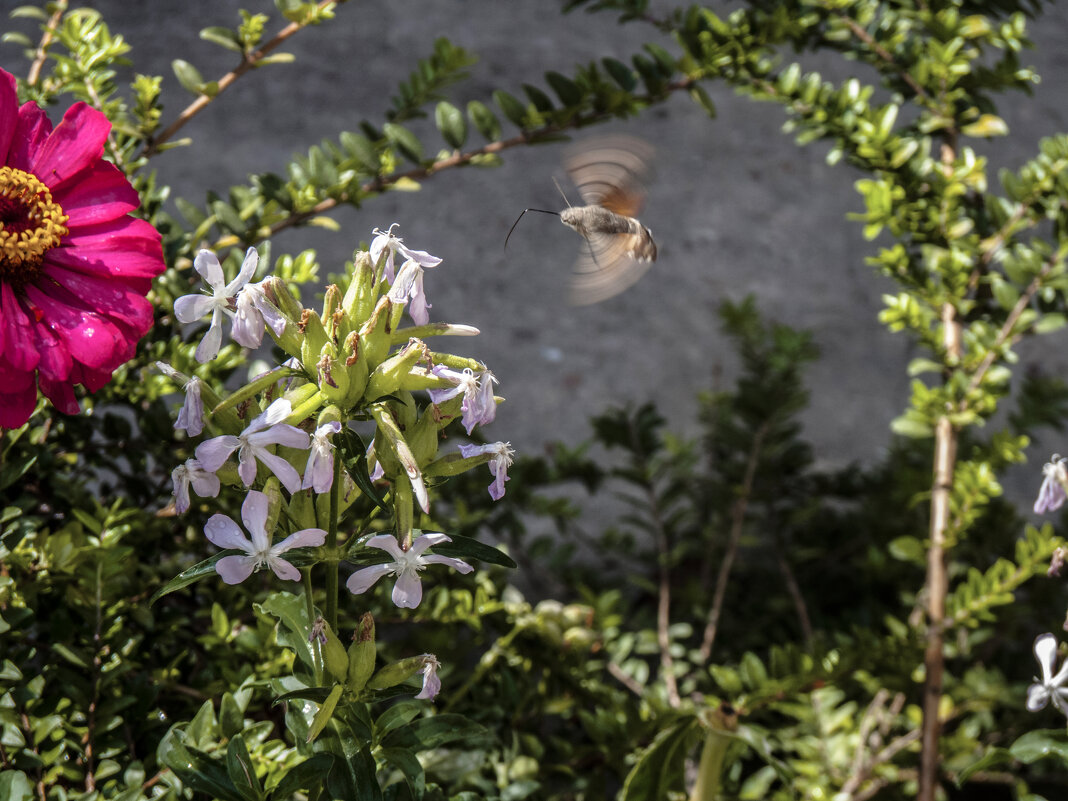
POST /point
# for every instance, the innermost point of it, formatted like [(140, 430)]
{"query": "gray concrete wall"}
[(737, 208)]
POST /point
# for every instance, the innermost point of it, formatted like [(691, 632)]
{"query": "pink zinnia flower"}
[(74, 265)]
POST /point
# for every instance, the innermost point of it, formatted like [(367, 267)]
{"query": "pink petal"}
[(126, 248), (16, 407), (307, 538), (387, 543), (234, 569), (246, 467), (9, 103), (13, 379), (458, 565), (286, 473), (61, 393), (56, 362), (254, 516), (107, 296), (92, 380), (283, 569), (408, 591), (425, 541), (101, 195), (31, 130), (213, 453), (18, 336), (281, 434), (91, 339), (224, 532), (74, 146), (364, 578)]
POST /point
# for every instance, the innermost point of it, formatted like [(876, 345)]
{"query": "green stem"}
[(332, 561)]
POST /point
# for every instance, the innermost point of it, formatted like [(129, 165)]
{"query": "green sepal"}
[(334, 656), (396, 672)]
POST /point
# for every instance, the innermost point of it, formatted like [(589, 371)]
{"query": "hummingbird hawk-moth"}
[(610, 175)]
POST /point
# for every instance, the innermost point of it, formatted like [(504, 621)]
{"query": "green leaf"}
[(241, 771), (326, 711), (198, 771), (992, 759), (316, 694), (541, 101), (294, 626), (1041, 743), (406, 761), (224, 37), (659, 770), (354, 457), (467, 547), (484, 120), (191, 575), (567, 90), (450, 121), (404, 140), (436, 731), (620, 73), (308, 775), (15, 786), (188, 76), (987, 125), (362, 149), (514, 110), (908, 549)]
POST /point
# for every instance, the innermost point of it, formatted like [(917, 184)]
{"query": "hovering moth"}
[(610, 174)]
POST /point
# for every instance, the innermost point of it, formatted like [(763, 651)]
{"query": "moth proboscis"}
[(610, 173)]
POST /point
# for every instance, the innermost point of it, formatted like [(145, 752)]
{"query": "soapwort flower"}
[(1050, 686), (478, 406), (191, 417), (501, 459), (408, 288), (192, 473), (386, 241), (1052, 493), (319, 472), (190, 308), (431, 682), (265, 430), (74, 265), (406, 566), (225, 533)]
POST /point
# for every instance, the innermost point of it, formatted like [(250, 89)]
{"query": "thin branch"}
[(631, 684), (794, 589), (741, 505), (249, 61), (885, 55), (49, 34)]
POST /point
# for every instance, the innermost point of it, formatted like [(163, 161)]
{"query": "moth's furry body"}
[(590, 220)]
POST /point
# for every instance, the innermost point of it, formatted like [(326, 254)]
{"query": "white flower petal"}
[(458, 565), (1037, 697), (254, 516), (306, 538), (364, 578), (207, 264), (235, 569), (224, 532), (190, 308), (1046, 654), (408, 591), (387, 543), (213, 453), (283, 569), (286, 472), (209, 346), (421, 543)]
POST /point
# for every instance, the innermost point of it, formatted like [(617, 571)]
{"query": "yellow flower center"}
[(31, 224)]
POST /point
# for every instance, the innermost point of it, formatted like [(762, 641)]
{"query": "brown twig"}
[(617, 673), (794, 590), (885, 55), (49, 34), (249, 61), (738, 510)]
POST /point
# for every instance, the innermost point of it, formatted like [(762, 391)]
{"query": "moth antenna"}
[(561, 191), (520, 217)]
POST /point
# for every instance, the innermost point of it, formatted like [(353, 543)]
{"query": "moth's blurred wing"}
[(611, 171), (605, 267)]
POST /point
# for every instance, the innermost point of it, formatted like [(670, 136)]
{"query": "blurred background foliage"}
[(743, 621)]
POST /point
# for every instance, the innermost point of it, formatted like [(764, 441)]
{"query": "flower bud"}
[(360, 296), (356, 368), (277, 292), (362, 654), (334, 657), (375, 333), (314, 337), (332, 377), (396, 672), (331, 303), (386, 378)]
